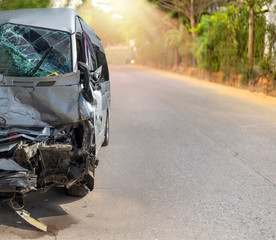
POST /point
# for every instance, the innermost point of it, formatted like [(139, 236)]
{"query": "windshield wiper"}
[(41, 61)]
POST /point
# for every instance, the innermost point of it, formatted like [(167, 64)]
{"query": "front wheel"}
[(81, 189), (77, 190)]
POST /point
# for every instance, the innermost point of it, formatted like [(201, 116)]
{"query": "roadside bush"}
[(19, 4), (222, 41), (268, 61)]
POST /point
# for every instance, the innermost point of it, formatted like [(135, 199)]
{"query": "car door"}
[(97, 92), (104, 83)]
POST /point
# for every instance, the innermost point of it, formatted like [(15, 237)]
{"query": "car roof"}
[(62, 19)]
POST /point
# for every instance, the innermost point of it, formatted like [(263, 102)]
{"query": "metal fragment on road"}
[(27, 217)]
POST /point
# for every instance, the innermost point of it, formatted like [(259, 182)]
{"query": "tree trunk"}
[(251, 41), (193, 25), (177, 58), (192, 18)]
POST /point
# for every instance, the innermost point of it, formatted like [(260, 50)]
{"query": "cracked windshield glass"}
[(34, 52)]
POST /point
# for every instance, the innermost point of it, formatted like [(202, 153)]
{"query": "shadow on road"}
[(45, 207)]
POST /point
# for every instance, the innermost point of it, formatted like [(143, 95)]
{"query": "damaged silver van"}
[(54, 102)]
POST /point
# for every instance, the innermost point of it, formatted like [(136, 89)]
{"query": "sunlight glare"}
[(103, 5)]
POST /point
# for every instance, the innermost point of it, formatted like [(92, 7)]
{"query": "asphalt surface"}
[(187, 160)]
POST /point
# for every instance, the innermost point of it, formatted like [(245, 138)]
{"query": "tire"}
[(77, 190), (81, 190), (106, 134)]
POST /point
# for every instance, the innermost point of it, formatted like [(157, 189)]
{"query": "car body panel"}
[(52, 127)]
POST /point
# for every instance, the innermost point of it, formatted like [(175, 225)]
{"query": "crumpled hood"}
[(30, 104)]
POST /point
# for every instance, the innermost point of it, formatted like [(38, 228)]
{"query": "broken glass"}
[(23, 47)]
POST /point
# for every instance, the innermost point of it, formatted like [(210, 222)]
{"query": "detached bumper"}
[(17, 182), (15, 179)]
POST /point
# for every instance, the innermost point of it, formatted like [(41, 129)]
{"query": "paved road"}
[(188, 160)]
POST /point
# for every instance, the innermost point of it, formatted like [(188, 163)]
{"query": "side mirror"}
[(87, 89), (84, 73)]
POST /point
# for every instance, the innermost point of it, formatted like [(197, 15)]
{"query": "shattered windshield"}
[(28, 51)]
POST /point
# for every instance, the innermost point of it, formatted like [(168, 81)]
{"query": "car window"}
[(91, 54), (23, 48), (103, 63)]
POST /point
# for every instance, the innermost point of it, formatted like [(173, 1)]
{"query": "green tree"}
[(255, 8), (20, 4), (178, 39), (222, 40), (189, 9)]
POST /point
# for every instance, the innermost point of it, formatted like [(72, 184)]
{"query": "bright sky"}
[(62, 3), (106, 6), (103, 5)]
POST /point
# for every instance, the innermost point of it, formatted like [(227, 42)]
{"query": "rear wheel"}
[(106, 134)]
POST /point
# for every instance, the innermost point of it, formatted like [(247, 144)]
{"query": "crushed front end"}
[(47, 135), (37, 159)]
